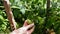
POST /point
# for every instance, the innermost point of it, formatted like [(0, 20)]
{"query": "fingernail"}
[(32, 24), (25, 20)]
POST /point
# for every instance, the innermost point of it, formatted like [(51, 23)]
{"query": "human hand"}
[(26, 29)]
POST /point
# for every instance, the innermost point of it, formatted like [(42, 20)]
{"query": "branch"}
[(9, 14), (47, 16)]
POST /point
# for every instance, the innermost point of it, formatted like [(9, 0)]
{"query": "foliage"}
[(34, 10)]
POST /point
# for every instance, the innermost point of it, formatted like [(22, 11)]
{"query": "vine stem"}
[(9, 14)]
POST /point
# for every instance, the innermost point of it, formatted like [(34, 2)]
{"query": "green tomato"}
[(29, 21)]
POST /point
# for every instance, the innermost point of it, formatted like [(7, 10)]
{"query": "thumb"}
[(25, 23)]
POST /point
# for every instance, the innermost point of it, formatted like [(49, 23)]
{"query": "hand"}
[(25, 29)]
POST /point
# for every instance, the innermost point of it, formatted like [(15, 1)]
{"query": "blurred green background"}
[(34, 10)]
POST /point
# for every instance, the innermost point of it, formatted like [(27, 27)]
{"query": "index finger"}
[(29, 26)]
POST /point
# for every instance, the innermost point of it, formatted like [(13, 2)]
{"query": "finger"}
[(29, 26), (25, 23), (31, 30)]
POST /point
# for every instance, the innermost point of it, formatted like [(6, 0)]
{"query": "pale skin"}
[(24, 29)]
